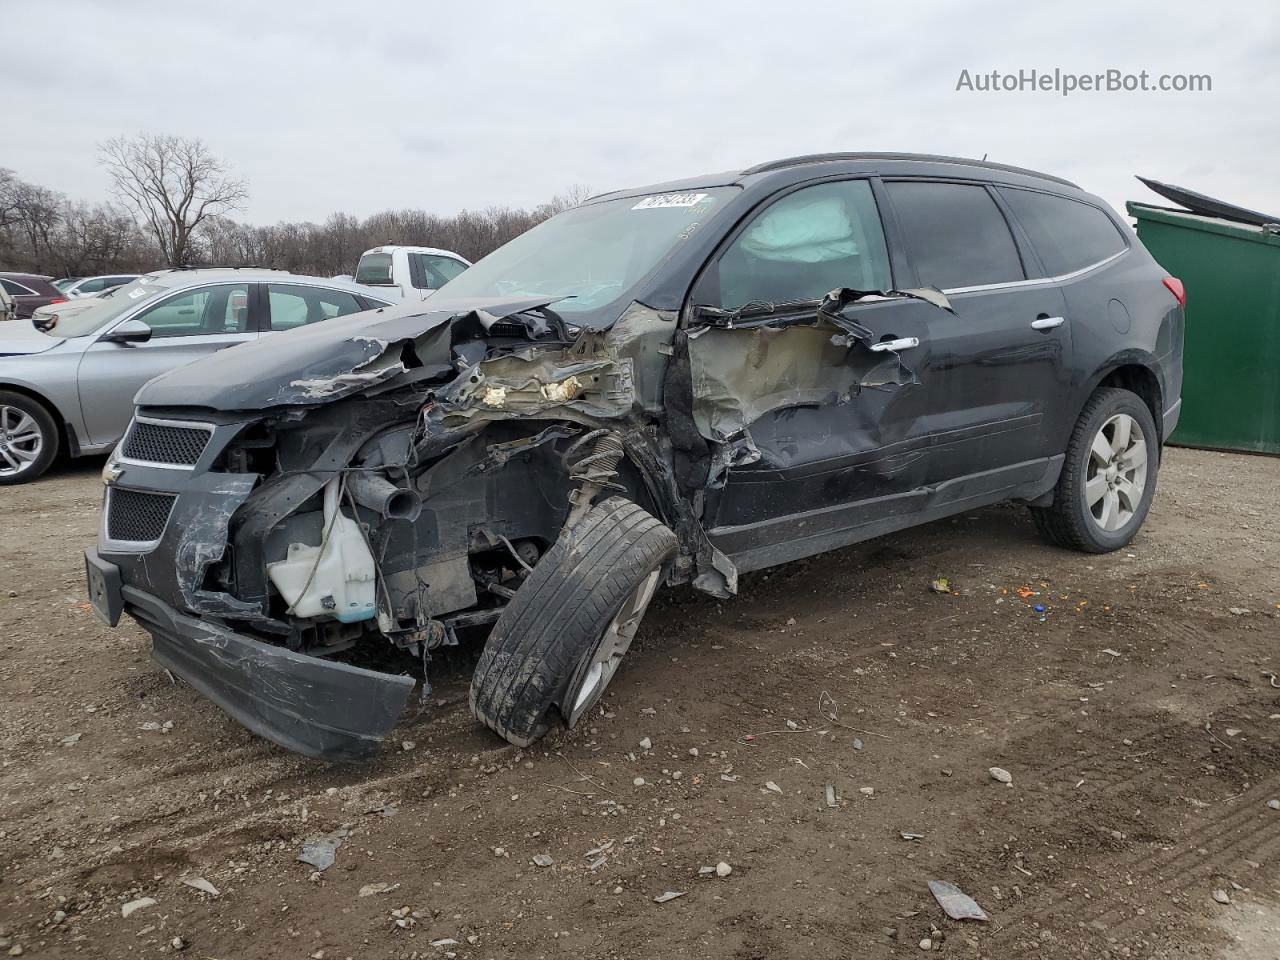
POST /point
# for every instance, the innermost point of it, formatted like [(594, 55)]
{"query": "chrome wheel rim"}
[(21, 441), (1117, 473), (608, 653)]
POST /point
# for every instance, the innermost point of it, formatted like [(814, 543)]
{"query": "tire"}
[(28, 438), (1097, 507), (579, 607)]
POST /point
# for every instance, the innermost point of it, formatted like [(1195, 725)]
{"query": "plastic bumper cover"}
[(320, 708)]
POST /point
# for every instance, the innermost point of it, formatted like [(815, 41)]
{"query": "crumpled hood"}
[(324, 361), (20, 338)]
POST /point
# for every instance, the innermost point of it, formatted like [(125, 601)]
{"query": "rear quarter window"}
[(1067, 234)]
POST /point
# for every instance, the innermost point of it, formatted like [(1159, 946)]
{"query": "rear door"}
[(1001, 363), (290, 305), (185, 326)]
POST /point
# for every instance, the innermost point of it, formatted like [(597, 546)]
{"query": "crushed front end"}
[(299, 522)]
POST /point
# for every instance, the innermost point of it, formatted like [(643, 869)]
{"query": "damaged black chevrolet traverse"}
[(673, 384)]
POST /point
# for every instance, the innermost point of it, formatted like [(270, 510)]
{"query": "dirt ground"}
[(1135, 714)]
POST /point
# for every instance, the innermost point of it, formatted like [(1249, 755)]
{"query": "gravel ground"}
[(1135, 715)]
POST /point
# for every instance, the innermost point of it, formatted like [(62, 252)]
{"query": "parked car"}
[(92, 286), (669, 384), (29, 290), (63, 282), (70, 385), (408, 273)]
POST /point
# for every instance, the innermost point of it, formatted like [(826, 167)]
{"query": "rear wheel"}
[(563, 635), (28, 438), (1108, 477)]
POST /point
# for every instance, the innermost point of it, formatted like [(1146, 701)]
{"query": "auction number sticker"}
[(659, 200)]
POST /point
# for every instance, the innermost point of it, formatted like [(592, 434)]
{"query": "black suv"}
[(672, 384)]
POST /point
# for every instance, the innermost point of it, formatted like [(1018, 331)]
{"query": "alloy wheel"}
[(609, 652), (1116, 476), (21, 441)]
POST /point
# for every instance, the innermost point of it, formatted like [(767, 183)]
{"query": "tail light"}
[(1174, 286), (57, 300)]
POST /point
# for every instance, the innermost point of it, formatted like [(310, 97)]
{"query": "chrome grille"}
[(168, 443), (134, 516)]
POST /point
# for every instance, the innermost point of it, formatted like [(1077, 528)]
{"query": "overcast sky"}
[(368, 106)]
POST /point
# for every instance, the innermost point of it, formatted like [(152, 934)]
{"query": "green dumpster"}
[(1231, 364)]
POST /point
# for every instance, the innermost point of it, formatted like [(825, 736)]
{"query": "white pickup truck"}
[(408, 273)]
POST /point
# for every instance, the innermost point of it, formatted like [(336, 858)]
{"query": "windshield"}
[(374, 269), (596, 253), (79, 318)]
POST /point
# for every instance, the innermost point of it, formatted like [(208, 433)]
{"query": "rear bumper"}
[(320, 708), (1170, 418)]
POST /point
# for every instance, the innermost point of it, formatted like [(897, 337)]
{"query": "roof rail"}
[(773, 165), (222, 266)]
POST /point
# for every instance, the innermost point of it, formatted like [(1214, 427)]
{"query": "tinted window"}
[(209, 310), (374, 269), (116, 281), (92, 286), (1068, 234), (295, 306), (431, 272), (805, 245), (16, 289), (955, 234)]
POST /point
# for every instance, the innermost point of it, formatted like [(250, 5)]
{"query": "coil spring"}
[(601, 465)]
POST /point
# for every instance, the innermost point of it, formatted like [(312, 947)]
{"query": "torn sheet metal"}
[(327, 361), (581, 379), (740, 375)]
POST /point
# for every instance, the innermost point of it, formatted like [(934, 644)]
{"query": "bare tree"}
[(175, 184)]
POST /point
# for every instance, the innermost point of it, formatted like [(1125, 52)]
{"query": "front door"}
[(185, 327), (807, 428)]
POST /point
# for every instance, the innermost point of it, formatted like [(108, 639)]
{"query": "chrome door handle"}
[(902, 343), (1047, 323)]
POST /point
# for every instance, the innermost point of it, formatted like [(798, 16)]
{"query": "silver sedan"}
[(69, 384)]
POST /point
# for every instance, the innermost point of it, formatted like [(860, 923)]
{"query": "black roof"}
[(773, 165)]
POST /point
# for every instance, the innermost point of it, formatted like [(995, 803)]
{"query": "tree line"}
[(172, 207)]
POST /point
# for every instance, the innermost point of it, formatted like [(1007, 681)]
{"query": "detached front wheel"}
[(563, 635)]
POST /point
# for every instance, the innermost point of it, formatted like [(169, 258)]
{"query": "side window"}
[(202, 312), (1068, 235), (955, 234), (805, 245), (374, 269), (92, 286), (16, 289), (296, 306), (431, 271)]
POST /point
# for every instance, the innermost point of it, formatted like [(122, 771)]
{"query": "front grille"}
[(165, 443), (137, 517)]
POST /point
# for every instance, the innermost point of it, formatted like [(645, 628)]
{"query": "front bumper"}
[(320, 708)]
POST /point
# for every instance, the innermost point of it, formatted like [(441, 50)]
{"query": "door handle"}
[(902, 343), (1047, 323)]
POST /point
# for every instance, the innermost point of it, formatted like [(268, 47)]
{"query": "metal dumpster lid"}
[(1269, 234)]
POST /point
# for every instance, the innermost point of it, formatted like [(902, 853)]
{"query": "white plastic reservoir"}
[(336, 579)]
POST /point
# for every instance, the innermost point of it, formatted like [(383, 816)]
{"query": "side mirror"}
[(131, 331)]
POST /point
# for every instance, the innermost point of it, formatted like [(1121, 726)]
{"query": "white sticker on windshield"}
[(669, 200), (135, 294)]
